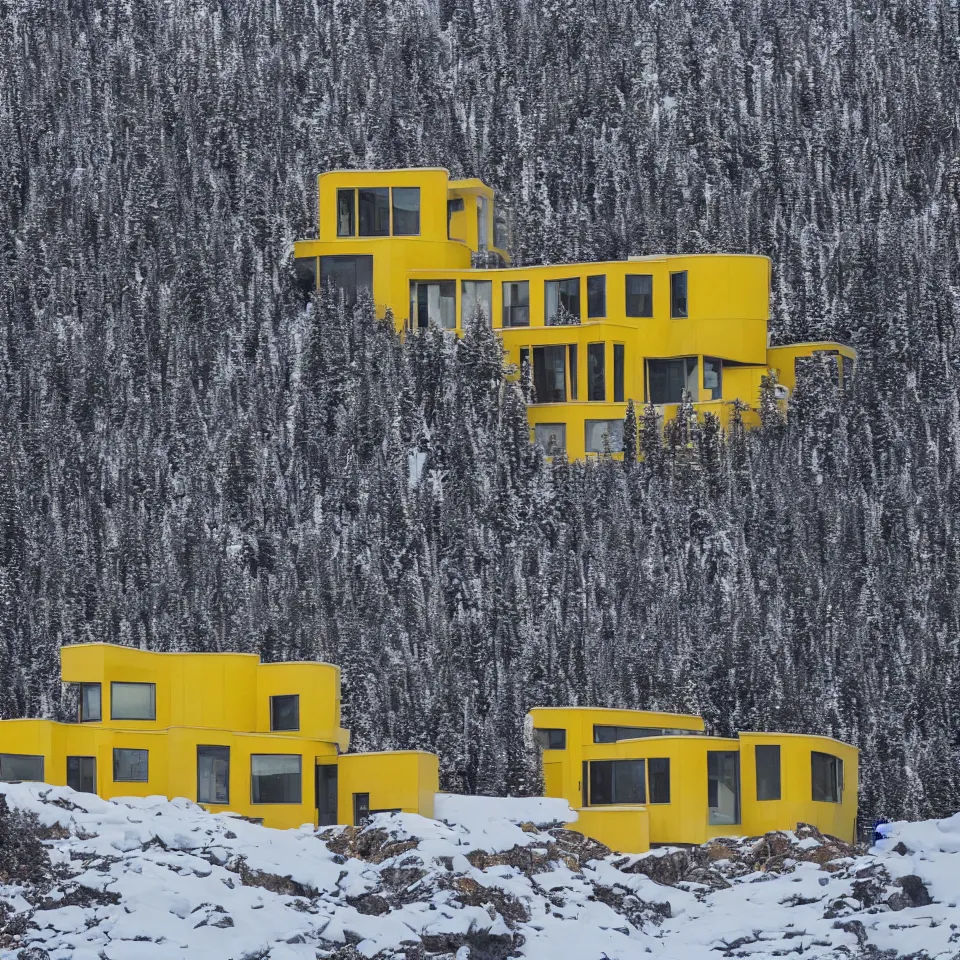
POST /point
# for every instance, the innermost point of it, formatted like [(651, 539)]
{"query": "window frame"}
[(83, 688), (220, 748), (334, 260), (739, 791), (650, 775), (619, 366), (837, 763), (350, 192), (415, 304), (273, 700), (548, 321), (375, 194), (22, 756), (508, 309), (690, 366), (555, 739), (541, 370), (562, 447), (675, 314), (80, 776), (716, 393), (591, 294), (357, 806), (132, 683), (616, 764), (766, 747), (649, 295), (594, 395), (254, 777), (488, 303), (393, 212), (146, 761), (590, 423)]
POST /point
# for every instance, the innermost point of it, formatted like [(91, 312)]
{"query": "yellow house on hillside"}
[(261, 739), (638, 778), (593, 335)]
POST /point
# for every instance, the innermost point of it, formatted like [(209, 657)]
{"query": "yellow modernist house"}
[(593, 335), (261, 739), (638, 778)]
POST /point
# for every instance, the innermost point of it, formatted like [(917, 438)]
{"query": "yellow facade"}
[(260, 739), (649, 328), (690, 787)]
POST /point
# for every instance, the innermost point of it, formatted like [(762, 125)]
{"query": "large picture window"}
[(285, 712), (596, 372), (561, 296), (133, 701), (827, 774), (213, 774), (374, 204), (474, 295), (723, 786), (406, 211), (768, 771), (275, 778), (668, 379), (433, 304), (550, 374), (20, 766), (617, 781), (130, 765), (516, 303), (639, 295), (678, 294), (90, 709), (347, 274)]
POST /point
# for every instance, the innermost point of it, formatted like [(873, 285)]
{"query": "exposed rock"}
[(482, 944), (269, 881), (914, 894)]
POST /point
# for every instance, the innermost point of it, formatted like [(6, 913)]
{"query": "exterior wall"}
[(782, 360), (397, 780), (622, 829)]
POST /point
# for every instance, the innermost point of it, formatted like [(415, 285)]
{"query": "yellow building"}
[(260, 739), (638, 778), (643, 329)]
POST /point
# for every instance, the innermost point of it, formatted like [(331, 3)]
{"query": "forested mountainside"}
[(188, 460)]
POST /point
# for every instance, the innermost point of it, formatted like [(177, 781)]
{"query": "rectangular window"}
[(326, 794), (659, 779), (561, 300), (474, 295), (596, 296), (603, 733), (596, 372), (617, 781), (133, 701), (712, 378), (285, 712), (349, 275), (618, 356), (90, 702), (603, 436), (20, 766), (482, 227), (668, 379), (406, 211), (572, 362), (213, 774), (827, 773), (552, 437), (516, 304), (346, 201), (130, 765), (454, 206), (639, 295), (550, 374), (678, 294), (551, 739), (501, 228), (275, 777), (723, 786), (82, 774), (768, 771), (361, 808), (374, 203), (434, 304), (305, 270)]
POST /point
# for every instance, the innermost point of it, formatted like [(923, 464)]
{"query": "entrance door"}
[(326, 794), (82, 774), (361, 808)]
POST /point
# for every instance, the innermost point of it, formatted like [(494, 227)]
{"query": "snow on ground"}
[(151, 879)]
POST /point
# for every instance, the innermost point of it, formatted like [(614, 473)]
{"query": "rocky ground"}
[(87, 879)]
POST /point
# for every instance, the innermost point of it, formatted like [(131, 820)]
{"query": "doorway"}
[(326, 794)]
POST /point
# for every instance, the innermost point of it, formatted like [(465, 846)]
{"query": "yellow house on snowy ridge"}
[(261, 739), (638, 778), (594, 335)]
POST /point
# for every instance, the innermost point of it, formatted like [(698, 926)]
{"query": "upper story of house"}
[(123, 687)]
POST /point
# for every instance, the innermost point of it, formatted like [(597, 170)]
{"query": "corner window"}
[(20, 766), (667, 380), (596, 297), (659, 773), (550, 374), (768, 771), (617, 781), (596, 372), (285, 712), (433, 304), (275, 778), (349, 275), (89, 702), (618, 355), (551, 739), (130, 765), (827, 774), (516, 303), (82, 774), (374, 203), (723, 786), (406, 211), (552, 437), (213, 774), (561, 300), (476, 295), (133, 701), (678, 294), (603, 436), (712, 378), (346, 200), (639, 295)]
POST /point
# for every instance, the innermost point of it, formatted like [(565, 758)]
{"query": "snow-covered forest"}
[(188, 460)]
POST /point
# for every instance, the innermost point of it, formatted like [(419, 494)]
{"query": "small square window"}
[(285, 712), (276, 778), (130, 765)]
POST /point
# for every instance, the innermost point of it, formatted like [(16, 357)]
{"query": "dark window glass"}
[(768, 771), (596, 372), (561, 297), (285, 712), (435, 304), (596, 296), (374, 212), (130, 765), (82, 774), (603, 733), (516, 304), (618, 373), (678, 294), (345, 213), (617, 781), (305, 269), (20, 766), (326, 794), (639, 295), (482, 227), (89, 702), (348, 274), (133, 701), (361, 808), (213, 774), (668, 379), (712, 378), (723, 786), (827, 772), (275, 778), (585, 784), (659, 779), (549, 374), (453, 206), (572, 357), (551, 739), (406, 211)]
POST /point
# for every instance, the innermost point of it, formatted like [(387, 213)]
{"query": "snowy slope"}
[(142, 879)]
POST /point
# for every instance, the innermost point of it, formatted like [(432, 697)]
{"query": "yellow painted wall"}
[(622, 829), (399, 779)]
